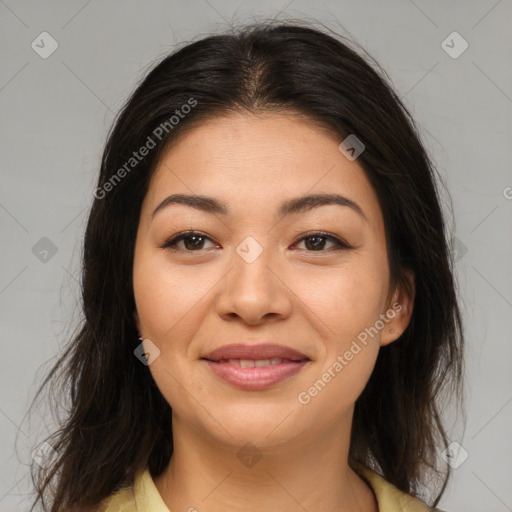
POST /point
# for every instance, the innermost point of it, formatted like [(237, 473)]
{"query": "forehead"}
[(256, 161)]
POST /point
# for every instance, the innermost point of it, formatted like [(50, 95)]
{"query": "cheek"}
[(346, 301), (168, 302), (349, 309), (166, 296)]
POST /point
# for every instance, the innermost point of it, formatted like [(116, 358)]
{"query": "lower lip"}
[(257, 378)]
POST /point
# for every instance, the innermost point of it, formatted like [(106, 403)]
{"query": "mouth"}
[(255, 367)]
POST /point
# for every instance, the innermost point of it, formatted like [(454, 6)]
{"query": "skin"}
[(316, 301)]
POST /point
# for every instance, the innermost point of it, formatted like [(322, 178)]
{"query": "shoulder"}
[(390, 497), (121, 501), (141, 496)]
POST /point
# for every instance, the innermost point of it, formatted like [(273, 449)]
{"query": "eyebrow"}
[(290, 207)]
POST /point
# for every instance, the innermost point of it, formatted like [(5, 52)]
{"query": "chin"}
[(262, 426)]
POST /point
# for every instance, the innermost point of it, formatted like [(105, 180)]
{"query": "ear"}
[(399, 309), (137, 321)]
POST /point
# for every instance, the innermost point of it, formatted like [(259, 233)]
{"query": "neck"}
[(301, 474)]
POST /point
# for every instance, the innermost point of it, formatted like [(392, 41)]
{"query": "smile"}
[(255, 375), (254, 367)]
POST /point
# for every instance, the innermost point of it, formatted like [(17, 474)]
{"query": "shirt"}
[(143, 496)]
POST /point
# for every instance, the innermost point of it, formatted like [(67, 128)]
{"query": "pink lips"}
[(274, 363)]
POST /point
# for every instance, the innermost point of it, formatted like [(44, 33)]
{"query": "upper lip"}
[(256, 352)]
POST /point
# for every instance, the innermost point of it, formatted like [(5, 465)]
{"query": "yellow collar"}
[(144, 496)]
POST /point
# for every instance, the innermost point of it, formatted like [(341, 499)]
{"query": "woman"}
[(270, 313)]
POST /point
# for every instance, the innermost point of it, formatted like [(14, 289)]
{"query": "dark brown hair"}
[(118, 421)]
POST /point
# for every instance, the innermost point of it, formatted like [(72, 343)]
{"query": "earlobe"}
[(399, 311)]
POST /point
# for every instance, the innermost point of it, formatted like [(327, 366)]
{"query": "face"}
[(255, 265)]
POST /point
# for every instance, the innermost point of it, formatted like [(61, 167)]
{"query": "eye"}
[(193, 241), (317, 240)]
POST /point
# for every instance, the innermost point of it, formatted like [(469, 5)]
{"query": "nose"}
[(253, 290)]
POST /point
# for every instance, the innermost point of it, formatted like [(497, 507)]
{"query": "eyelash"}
[(171, 242)]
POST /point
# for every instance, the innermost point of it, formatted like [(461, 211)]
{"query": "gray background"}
[(55, 116)]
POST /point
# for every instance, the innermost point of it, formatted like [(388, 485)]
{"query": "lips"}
[(255, 367), (260, 352)]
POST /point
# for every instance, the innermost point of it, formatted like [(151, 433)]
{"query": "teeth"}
[(251, 363)]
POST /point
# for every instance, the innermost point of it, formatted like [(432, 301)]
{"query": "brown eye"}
[(317, 242), (192, 241)]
